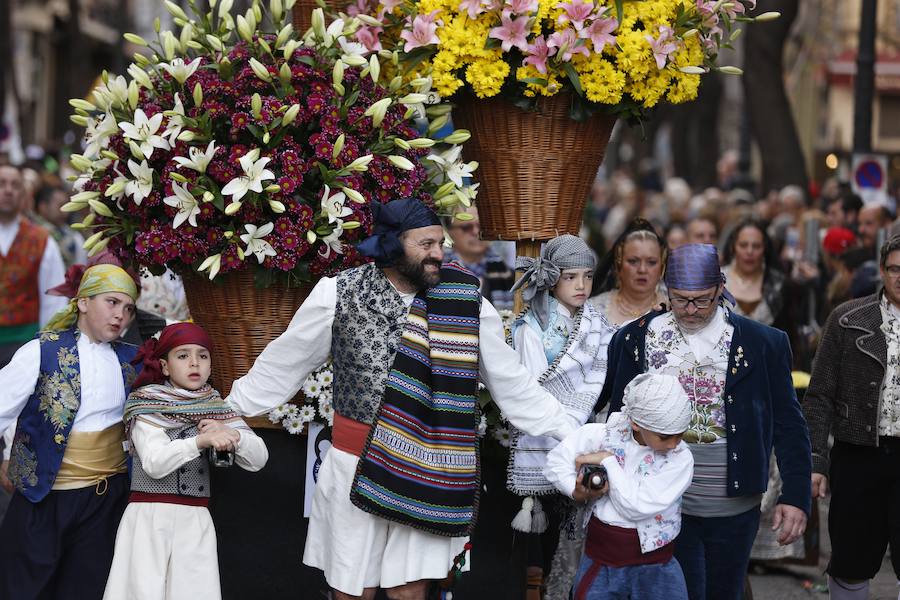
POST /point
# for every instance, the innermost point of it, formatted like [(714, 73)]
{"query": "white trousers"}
[(164, 552), (357, 550)]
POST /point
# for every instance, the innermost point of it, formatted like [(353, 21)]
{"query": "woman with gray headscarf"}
[(562, 341)]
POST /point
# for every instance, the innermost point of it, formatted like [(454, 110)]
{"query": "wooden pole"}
[(532, 249)]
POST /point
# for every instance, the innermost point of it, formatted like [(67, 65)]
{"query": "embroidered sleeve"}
[(651, 489)]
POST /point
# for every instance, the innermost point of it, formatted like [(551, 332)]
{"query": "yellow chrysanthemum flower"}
[(600, 80), (532, 89), (486, 75)]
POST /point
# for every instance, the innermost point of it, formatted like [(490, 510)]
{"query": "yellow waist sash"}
[(91, 457)]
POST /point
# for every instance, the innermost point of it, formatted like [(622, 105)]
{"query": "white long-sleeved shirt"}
[(102, 388), (51, 272), (283, 366), (161, 456), (645, 487)]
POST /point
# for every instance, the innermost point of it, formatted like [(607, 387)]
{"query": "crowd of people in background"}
[(789, 258)]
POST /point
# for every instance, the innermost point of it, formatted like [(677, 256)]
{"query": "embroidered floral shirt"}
[(889, 412), (700, 362), (645, 486)]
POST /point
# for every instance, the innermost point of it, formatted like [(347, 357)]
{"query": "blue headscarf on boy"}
[(391, 220)]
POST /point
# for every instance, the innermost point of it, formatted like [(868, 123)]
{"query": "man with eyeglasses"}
[(854, 395), (737, 373)]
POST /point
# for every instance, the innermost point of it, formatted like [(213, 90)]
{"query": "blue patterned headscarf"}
[(695, 267), (391, 220)]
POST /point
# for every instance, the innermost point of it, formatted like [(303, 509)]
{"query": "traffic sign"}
[(869, 177)]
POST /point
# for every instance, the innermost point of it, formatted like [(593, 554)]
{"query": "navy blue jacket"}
[(761, 408)]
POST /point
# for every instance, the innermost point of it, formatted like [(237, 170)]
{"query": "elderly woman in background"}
[(626, 285)]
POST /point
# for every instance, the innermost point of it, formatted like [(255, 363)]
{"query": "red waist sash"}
[(167, 499), (349, 435), (613, 546)]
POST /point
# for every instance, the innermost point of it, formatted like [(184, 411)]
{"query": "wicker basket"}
[(241, 320), (535, 168), (302, 13)]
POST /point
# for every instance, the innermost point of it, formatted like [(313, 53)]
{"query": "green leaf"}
[(573, 77), (534, 80), (307, 60), (620, 9)]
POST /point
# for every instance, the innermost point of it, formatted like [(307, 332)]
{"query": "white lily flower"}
[(333, 32), (143, 132), (255, 172), (112, 94), (459, 170), (333, 241), (187, 205), (199, 159), (176, 121), (333, 206), (256, 245), (142, 185), (447, 157), (98, 133)]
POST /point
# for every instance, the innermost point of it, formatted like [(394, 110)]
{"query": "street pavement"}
[(809, 583)]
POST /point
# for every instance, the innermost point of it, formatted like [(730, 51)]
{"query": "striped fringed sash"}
[(420, 465)]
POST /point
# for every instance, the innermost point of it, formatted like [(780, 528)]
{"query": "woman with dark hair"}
[(626, 285), (753, 276)]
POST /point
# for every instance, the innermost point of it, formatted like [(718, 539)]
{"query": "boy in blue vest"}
[(67, 388)]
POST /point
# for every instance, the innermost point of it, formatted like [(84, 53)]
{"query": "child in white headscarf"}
[(636, 513)]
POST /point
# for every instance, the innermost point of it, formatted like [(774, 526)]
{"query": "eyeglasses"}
[(699, 303), (893, 270)]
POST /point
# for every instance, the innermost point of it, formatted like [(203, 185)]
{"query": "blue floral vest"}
[(47, 418)]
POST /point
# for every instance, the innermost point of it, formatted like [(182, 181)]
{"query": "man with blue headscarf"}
[(737, 373), (397, 494)]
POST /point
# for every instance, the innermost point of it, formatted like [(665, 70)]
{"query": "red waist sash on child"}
[(612, 546)]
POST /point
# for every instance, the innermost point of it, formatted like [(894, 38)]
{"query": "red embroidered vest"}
[(19, 294)]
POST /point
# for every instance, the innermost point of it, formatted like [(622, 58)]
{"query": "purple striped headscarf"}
[(695, 267)]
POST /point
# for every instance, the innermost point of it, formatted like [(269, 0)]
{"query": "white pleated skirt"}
[(357, 550)]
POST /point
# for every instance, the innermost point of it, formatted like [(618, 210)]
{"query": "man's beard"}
[(415, 272)]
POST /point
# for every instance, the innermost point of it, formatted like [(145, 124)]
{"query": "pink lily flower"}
[(600, 33), (538, 53), (576, 12), (390, 5), (424, 32), (511, 32), (472, 7), (520, 7), (370, 37), (566, 41), (663, 46)]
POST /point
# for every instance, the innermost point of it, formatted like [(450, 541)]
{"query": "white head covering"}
[(657, 403)]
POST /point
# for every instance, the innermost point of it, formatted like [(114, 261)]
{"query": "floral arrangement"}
[(625, 56), (317, 405), (229, 146)]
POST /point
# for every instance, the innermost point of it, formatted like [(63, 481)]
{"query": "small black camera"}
[(221, 458), (593, 476)]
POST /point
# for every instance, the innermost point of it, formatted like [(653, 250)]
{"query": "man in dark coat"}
[(854, 395)]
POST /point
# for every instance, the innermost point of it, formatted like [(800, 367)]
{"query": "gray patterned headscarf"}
[(540, 274)]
